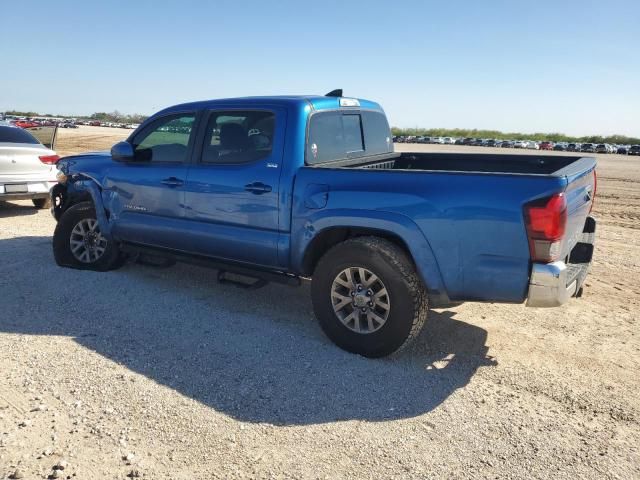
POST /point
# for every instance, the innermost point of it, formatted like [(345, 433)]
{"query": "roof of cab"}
[(316, 102)]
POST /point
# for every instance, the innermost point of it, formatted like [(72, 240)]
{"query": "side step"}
[(227, 271), (241, 281)]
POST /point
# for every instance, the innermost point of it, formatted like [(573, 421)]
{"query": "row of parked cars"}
[(530, 144), (32, 122)]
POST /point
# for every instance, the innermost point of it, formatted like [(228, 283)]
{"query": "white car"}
[(438, 140), (532, 145), (27, 168)]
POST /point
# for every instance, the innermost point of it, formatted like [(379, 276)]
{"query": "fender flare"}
[(394, 224)]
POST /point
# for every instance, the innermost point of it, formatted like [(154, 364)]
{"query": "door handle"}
[(172, 182), (257, 188)]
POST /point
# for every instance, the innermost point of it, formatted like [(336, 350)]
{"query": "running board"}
[(241, 281), (224, 267)]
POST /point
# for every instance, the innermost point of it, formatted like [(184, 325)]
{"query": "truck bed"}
[(488, 163), (469, 207), (472, 163)]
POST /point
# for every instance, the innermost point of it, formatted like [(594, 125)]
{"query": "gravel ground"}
[(164, 373)]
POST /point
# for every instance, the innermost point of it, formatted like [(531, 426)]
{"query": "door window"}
[(234, 136), (166, 140)]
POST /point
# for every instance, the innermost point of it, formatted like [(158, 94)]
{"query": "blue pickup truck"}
[(309, 187)]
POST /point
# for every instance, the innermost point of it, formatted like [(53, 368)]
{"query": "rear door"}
[(232, 188), (148, 193)]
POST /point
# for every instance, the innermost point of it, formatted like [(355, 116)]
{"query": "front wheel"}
[(368, 297), (79, 243)]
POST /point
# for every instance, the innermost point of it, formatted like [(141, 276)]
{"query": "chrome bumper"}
[(548, 285), (553, 284)]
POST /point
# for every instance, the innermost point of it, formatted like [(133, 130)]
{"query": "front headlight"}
[(61, 177)]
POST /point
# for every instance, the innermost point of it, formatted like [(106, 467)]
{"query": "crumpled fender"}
[(90, 186)]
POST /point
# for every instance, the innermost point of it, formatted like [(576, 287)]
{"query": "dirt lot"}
[(167, 374), (88, 139)]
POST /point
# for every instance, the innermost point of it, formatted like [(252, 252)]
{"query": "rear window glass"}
[(16, 135), (338, 135)]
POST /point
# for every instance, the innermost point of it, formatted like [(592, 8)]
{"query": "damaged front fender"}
[(64, 196)]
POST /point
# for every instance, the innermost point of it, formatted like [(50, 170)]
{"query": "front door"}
[(232, 187), (147, 205)]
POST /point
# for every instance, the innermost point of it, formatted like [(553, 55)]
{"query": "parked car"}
[(546, 145), (574, 147), (532, 145), (634, 150), (27, 168), (25, 123), (520, 144), (364, 223), (507, 144), (588, 147), (602, 148), (560, 147), (623, 149)]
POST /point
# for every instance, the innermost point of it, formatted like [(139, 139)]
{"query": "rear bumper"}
[(8, 197), (34, 189), (553, 284)]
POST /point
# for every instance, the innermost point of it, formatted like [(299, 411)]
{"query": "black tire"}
[(110, 259), (41, 203), (407, 295)]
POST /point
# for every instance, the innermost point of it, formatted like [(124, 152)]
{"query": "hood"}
[(84, 162)]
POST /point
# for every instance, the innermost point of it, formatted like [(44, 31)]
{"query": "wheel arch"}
[(323, 232), (88, 190)]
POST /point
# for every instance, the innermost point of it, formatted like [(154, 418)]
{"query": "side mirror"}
[(122, 152)]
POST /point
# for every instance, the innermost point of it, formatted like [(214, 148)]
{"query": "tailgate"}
[(580, 192)]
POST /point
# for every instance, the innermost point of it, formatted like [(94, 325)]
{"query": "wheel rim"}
[(360, 300), (87, 243)]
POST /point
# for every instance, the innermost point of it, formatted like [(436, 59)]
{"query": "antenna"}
[(334, 93)]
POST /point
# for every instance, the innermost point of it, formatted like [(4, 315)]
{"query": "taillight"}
[(546, 220), (49, 159)]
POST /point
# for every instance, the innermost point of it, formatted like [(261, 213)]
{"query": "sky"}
[(570, 66)]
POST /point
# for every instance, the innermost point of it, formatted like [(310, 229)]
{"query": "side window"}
[(236, 136), (165, 140)]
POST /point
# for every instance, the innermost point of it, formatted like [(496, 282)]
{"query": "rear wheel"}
[(79, 243), (368, 297), (41, 203)]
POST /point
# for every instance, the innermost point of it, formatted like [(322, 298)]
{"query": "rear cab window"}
[(337, 135)]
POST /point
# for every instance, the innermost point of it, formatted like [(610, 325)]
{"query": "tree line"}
[(498, 135)]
